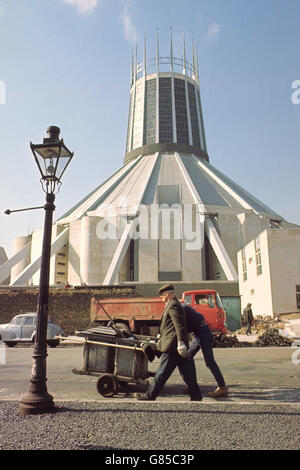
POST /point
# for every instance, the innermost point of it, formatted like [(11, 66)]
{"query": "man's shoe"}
[(142, 396), (219, 392), (199, 398)]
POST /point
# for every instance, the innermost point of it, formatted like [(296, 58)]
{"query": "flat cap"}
[(165, 288)]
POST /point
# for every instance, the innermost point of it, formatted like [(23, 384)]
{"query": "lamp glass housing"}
[(52, 159)]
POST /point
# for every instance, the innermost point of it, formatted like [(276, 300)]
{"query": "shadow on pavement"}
[(161, 410)]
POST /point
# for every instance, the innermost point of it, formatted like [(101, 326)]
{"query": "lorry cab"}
[(208, 303)]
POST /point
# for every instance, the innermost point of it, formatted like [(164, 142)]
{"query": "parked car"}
[(22, 328)]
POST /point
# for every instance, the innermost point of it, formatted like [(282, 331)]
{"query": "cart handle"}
[(99, 342), (114, 326)]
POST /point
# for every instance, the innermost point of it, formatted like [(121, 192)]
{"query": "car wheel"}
[(10, 344), (53, 343)]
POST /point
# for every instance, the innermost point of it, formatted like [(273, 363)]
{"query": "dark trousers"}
[(203, 340), (168, 363), (248, 328)]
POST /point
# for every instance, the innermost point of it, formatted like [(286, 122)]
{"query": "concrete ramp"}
[(5, 268), (33, 267)]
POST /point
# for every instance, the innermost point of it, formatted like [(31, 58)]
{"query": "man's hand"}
[(182, 349)]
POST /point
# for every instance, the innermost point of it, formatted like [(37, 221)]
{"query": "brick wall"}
[(70, 308)]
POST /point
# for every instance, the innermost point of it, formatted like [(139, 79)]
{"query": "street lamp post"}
[(52, 158)]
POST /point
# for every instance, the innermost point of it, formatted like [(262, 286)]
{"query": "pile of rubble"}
[(241, 331), (263, 326), (225, 341), (271, 337)]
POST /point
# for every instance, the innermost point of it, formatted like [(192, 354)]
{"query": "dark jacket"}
[(172, 327), (194, 320), (247, 315)]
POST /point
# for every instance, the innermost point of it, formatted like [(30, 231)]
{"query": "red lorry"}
[(143, 314)]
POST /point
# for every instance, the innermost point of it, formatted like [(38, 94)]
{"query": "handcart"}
[(113, 358)]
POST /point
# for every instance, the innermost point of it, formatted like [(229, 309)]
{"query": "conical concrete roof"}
[(137, 181)]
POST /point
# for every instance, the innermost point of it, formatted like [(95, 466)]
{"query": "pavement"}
[(151, 432)]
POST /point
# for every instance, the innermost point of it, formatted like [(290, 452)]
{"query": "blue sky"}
[(67, 63)]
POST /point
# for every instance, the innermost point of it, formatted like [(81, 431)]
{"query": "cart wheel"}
[(107, 385)]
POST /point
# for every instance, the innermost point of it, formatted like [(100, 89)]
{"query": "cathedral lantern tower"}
[(165, 112)]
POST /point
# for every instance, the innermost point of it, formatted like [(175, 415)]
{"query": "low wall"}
[(70, 308)]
